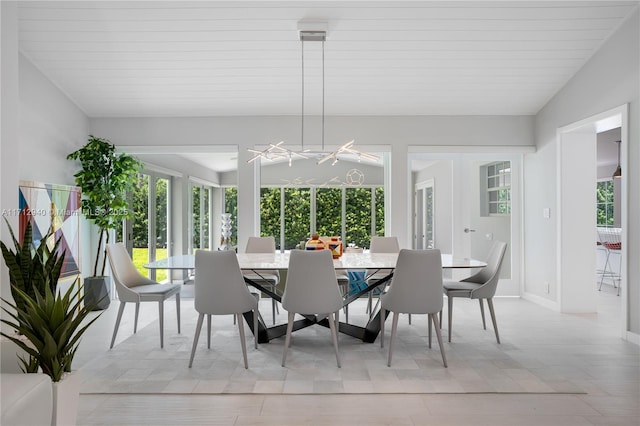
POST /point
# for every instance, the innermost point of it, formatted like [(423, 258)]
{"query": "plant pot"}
[(66, 395), (95, 290)]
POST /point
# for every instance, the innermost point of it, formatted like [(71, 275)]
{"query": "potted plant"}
[(48, 324), (104, 178), (53, 324), (31, 269)]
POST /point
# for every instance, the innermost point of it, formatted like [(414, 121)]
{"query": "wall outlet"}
[(488, 236), (546, 287)]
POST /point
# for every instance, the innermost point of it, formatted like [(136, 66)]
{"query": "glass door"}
[(150, 233)]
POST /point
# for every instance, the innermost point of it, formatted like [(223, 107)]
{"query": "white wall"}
[(40, 126), (608, 80)]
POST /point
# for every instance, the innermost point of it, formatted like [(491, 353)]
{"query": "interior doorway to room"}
[(465, 202), (578, 173)]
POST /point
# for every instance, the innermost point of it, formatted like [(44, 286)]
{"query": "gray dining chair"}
[(482, 286), (220, 290), (269, 278), (381, 245), (312, 289), (416, 288), (133, 287)]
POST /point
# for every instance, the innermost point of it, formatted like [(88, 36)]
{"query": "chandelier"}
[(280, 152)]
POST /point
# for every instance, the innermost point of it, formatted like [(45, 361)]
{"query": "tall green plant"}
[(53, 324), (105, 178), (32, 269)]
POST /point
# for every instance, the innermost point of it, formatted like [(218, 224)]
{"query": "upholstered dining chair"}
[(312, 289), (416, 288), (266, 278), (134, 287), (219, 289), (381, 245), (482, 286)]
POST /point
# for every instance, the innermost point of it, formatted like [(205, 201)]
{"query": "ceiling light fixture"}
[(618, 173), (277, 151)]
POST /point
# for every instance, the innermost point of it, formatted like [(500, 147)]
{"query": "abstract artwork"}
[(56, 208)]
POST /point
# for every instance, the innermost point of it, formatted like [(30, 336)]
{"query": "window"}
[(292, 214), (604, 203), (231, 206), (200, 216), (497, 199)]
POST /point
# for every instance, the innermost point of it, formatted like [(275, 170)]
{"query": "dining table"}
[(367, 262)]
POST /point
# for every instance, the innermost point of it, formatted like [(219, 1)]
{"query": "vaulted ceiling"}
[(204, 58)]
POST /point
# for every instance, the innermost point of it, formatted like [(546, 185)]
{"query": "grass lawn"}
[(141, 256)]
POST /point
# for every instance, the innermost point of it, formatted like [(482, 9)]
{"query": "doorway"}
[(577, 210)]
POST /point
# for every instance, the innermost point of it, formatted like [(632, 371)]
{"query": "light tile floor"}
[(551, 369)]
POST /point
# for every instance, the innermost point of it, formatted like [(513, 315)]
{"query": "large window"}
[(605, 203), (292, 214), (497, 181)]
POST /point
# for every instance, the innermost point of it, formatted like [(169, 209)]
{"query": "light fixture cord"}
[(323, 95), (302, 109)]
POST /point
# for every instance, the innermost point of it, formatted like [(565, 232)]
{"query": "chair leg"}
[(369, 303), (135, 319), (209, 331), (273, 310), (394, 329), (429, 320), (178, 310), (409, 319), (195, 339), (242, 342), (334, 335), (287, 339), (434, 318), (337, 321), (484, 324), (115, 330), (382, 318), (450, 314), (493, 318), (161, 310)]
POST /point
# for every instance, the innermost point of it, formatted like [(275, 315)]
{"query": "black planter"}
[(95, 290)]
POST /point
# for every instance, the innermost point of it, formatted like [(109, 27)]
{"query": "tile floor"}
[(551, 369)]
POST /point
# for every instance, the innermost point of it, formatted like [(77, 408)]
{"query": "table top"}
[(265, 261)]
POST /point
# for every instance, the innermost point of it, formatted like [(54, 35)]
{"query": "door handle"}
[(467, 230)]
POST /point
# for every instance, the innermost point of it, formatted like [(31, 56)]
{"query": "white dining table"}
[(366, 261)]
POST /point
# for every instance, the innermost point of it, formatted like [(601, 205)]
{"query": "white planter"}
[(9, 353), (66, 394)]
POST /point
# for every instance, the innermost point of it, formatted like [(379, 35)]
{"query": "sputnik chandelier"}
[(278, 151)]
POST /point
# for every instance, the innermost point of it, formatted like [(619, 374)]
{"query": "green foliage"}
[(32, 269), (329, 212), (140, 196), (358, 216), (105, 177), (297, 216), (53, 324), (270, 213), (604, 203)]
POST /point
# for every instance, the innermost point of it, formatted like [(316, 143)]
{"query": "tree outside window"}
[(605, 203)]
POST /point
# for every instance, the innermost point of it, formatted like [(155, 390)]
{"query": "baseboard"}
[(549, 304), (632, 338)]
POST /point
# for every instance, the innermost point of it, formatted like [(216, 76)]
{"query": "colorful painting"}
[(55, 207)]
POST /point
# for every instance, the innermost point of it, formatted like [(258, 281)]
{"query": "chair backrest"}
[(122, 268), (219, 288), (312, 286), (261, 245), (610, 238), (490, 274), (416, 287), (384, 245)]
